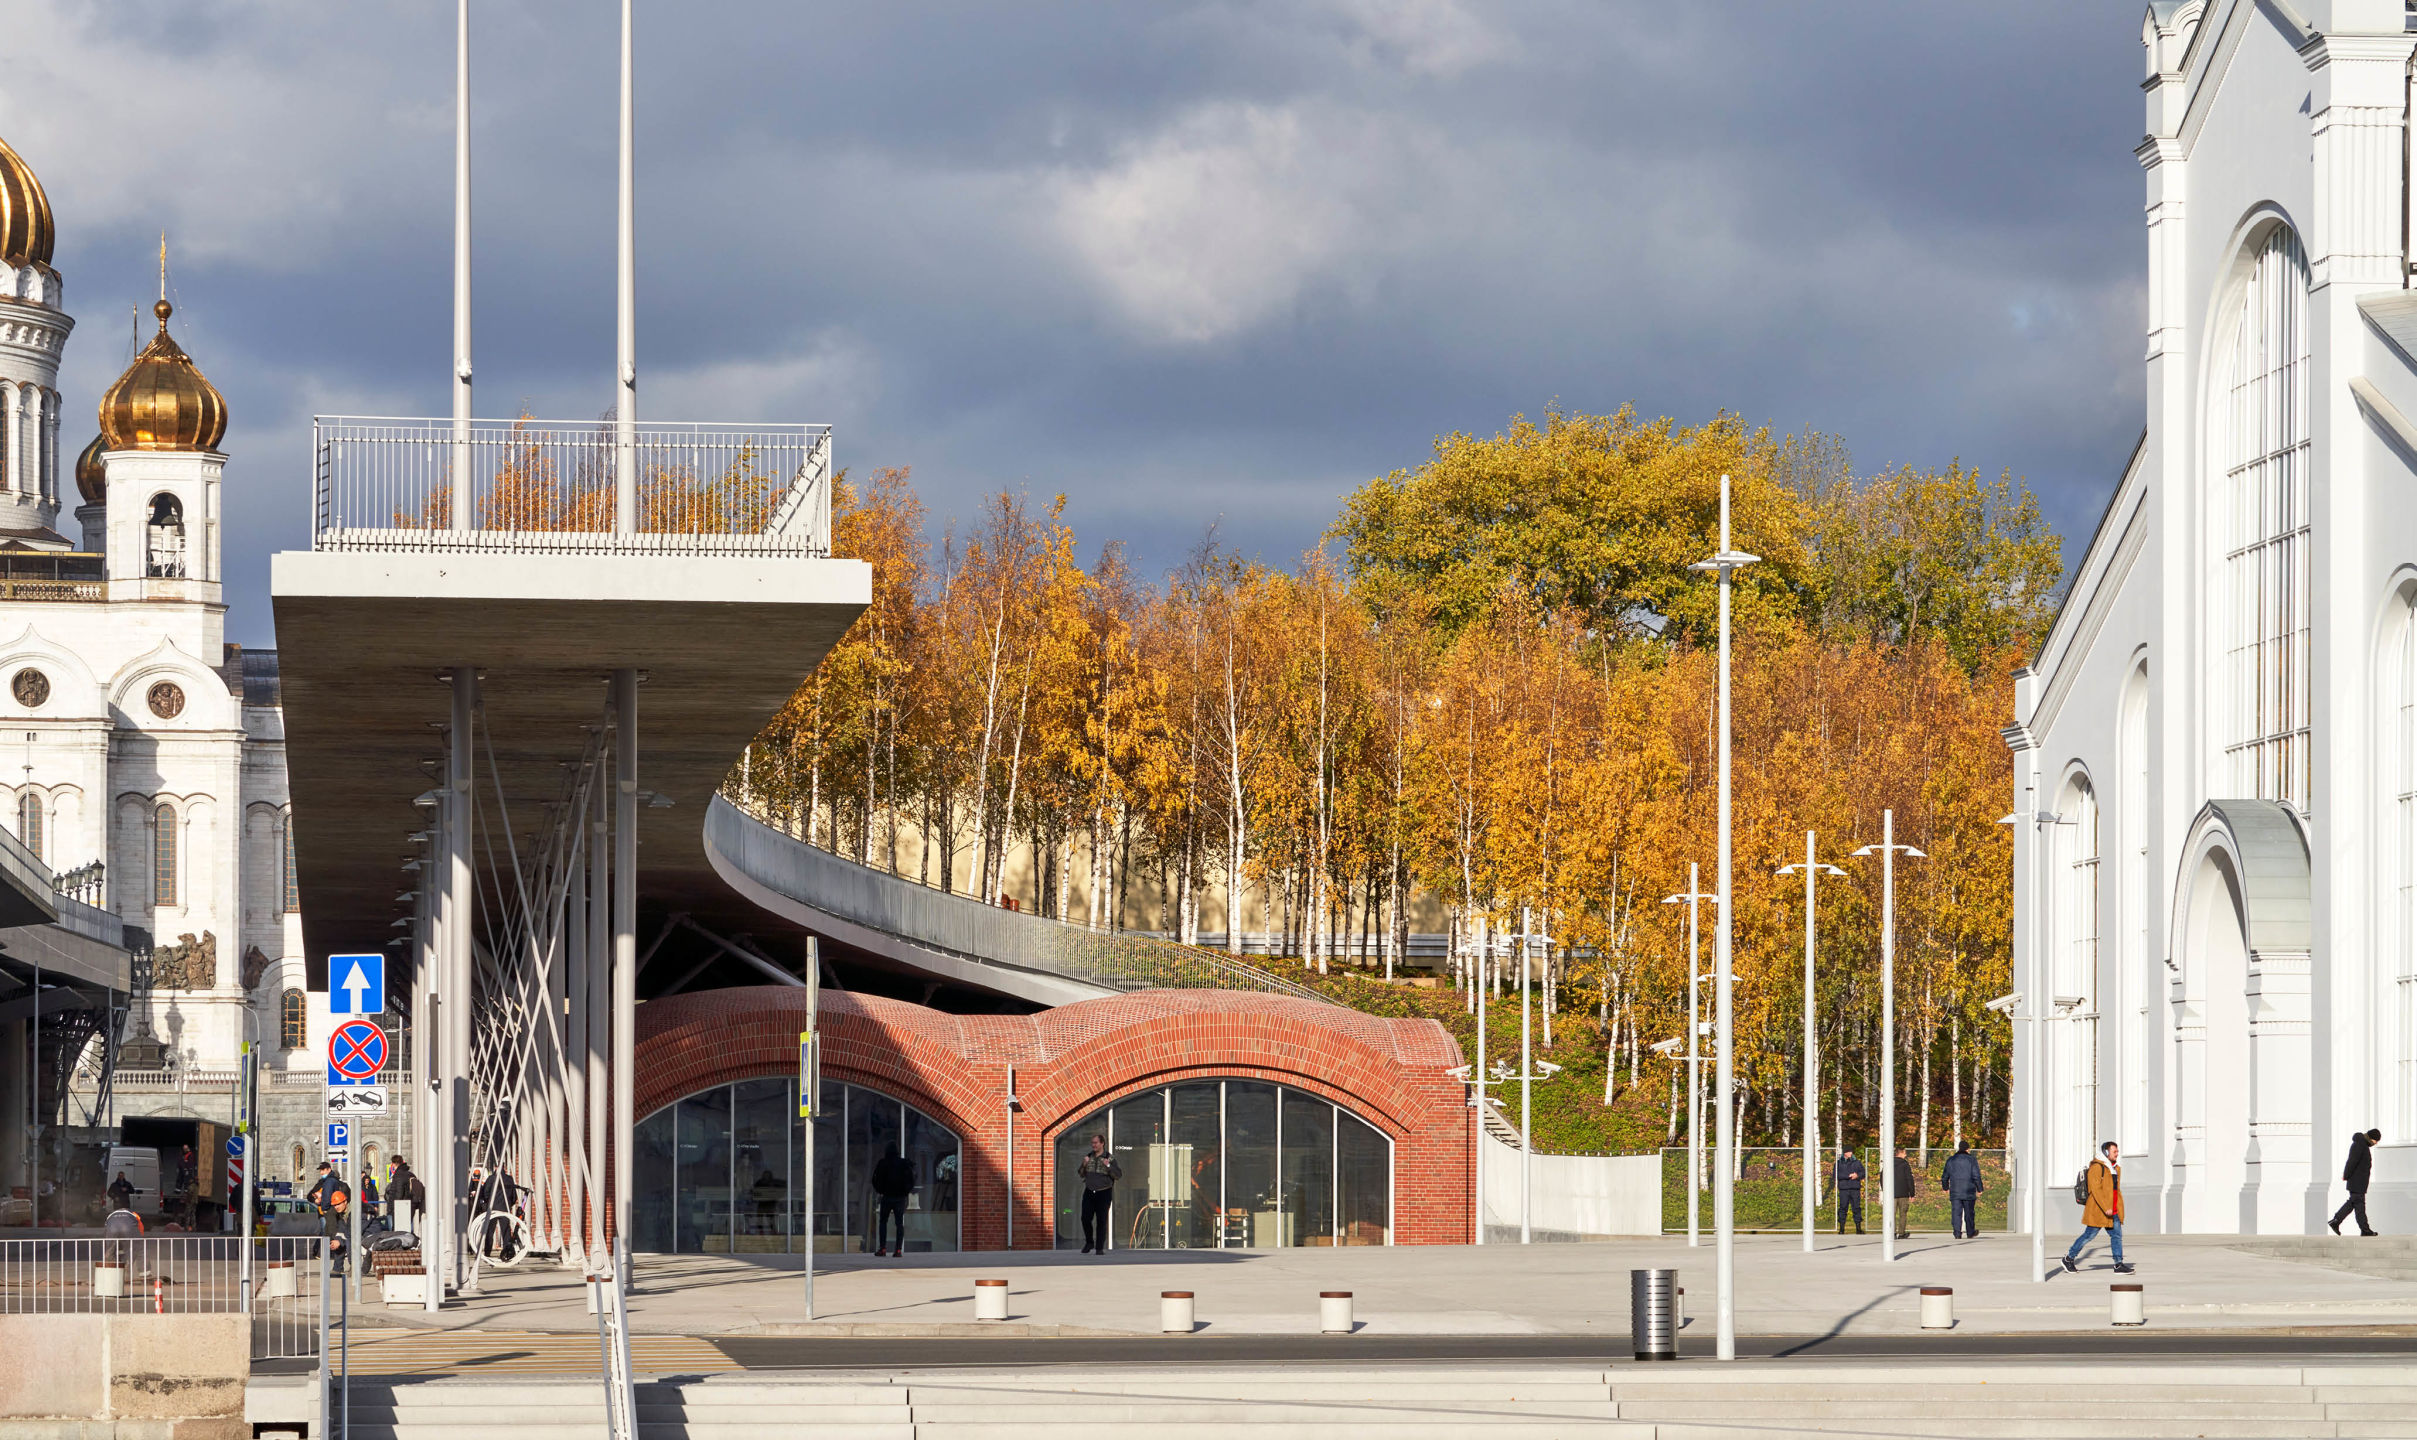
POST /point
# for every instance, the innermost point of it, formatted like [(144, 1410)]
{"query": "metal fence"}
[(553, 486), (174, 1275), (1770, 1195), (965, 928)]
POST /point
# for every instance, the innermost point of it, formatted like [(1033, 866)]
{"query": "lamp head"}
[(1867, 850), (1913, 854), (1831, 870)]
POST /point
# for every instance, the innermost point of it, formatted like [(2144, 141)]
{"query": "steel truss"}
[(525, 989)]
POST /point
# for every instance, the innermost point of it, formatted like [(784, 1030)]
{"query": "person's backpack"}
[(2081, 1187)]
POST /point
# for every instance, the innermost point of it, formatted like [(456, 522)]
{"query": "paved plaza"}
[(1843, 1288)]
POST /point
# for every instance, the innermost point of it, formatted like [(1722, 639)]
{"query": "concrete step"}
[(1227, 1429), (1253, 1413), (1906, 1394), (2081, 1414), (1968, 1426), (1373, 1388)]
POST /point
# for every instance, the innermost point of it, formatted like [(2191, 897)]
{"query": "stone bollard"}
[(1938, 1308), (1334, 1312), (109, 1280), (1175, 1312), (279, 1284), (990, 1299), (2129, 1304)]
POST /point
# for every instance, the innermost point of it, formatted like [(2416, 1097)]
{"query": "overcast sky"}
[(1216, 263)]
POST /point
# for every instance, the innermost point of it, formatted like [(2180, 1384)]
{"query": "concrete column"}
[(625, 945), (460, 901), (575, 1047), (599, 998)]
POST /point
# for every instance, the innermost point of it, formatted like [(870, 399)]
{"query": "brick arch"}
[(687, 1043), (1069, 1061)]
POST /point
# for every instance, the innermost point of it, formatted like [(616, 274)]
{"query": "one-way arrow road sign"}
[(356, 984)]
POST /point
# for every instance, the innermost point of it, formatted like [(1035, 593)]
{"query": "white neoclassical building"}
[(2216, 767), (140, 754)]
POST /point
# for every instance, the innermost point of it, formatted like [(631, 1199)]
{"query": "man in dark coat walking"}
[(1847, 1177), (1903, 1185), (1962, 1182), (2354, 1172)]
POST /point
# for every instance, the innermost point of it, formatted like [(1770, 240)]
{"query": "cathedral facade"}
[(144, 755), (2216, 767)]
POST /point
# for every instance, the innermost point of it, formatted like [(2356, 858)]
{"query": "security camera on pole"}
[(1888, 849), (1694, 899), (1724, 1184), (1812, 1059)]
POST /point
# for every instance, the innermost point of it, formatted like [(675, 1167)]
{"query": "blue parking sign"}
[(339, 1136)]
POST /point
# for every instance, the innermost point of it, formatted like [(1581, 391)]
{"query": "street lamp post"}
[(1724, 563), (1812, 1064), (2032, 1001), (1694, 898), (1888, 849)]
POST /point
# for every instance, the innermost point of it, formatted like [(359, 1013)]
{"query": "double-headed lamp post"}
[(1724, 563), (1812, 1059), (1888, 850), (2033, 1001), (1693, 899)]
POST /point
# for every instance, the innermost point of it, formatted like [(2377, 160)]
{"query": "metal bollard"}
[(280, 1283), (2129, 1304), (1175, 1312), (1679, 1306), (1334, 1312), (990, 1299), (1938, 1308), (1652, 1313), (109, 1280)]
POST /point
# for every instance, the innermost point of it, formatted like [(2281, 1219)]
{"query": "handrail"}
[(965, 929)]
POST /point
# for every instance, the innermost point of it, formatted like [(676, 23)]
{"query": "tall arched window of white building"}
[(2134, 904), (163, 854), (29, 822), (2262, 507), (2073, 982), (2396, 880)]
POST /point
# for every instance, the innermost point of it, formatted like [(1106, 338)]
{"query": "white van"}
[(140, 1165)]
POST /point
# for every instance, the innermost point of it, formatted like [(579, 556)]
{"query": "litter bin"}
[(1653, 1313)]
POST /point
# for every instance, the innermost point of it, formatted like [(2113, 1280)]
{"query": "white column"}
[(575, 1048), (460, 900), (599, 999), (625, 947)]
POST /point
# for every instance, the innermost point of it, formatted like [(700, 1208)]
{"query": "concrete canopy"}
[(363, 639)]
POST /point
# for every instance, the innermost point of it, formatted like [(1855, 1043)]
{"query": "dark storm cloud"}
[(1185, 264)]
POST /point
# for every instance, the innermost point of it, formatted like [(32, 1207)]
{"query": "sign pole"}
[(809, 1090), (243, 1137)]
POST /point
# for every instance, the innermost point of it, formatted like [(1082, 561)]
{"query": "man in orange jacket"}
[(2104, 1208)]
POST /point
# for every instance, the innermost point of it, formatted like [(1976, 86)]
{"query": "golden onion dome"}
[(25, 229), (92, 481), (162, 402)]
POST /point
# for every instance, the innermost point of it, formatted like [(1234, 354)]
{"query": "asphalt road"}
[(882, 1353)]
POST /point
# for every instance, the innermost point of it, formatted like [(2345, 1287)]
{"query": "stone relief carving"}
[(189, 964), (255, 965)]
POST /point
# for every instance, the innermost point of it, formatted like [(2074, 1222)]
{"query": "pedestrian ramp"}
[(1691, 1400)]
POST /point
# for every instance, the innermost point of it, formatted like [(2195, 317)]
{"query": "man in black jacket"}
[(2354, 1172), (893, 1180), (1847, 1177), (1099, 1173), (1962, 1182), (1902, 1184)]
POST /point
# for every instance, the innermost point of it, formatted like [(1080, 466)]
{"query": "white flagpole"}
[(625, 408), (461, 268)]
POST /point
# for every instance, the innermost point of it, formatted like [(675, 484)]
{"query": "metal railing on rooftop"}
[(52, 575), (554, 487), (966, 929)]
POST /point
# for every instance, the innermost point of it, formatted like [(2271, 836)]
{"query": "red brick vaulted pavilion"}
[(1069, 1062)]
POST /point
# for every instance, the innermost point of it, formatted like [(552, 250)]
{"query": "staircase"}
[(1693, 1400), (2386, 1257)]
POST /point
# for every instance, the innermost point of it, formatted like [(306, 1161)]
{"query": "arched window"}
[(302, 1165), (29, 822), (293, 887), (1232, 1164), (2396, 885), (293, 1020), (2073, 981), (165, 559), (163, 855), (2262, 433), (722, 1171)]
